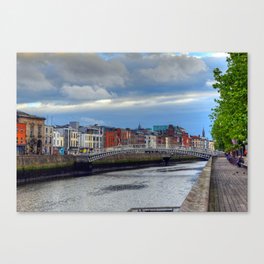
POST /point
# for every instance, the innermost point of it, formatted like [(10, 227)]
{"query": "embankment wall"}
[(198, 198), (44, 167)]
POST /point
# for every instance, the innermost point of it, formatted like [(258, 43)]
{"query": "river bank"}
[(42, 168)]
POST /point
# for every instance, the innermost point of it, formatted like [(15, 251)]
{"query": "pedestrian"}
[(228, 156), (245, 153), (240, 161)]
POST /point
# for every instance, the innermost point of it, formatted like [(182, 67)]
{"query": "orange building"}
[(186, 141), (21, 138)]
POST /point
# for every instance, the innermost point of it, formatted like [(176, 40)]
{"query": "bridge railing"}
[(140, 147)]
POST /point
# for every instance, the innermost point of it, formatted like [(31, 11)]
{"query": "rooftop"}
[(26, 115)]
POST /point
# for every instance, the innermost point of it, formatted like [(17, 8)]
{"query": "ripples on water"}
[(113, 191)]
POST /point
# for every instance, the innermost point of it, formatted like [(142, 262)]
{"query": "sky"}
[(120, 89)]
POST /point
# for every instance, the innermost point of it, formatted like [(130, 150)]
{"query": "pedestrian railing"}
[(106, 152)]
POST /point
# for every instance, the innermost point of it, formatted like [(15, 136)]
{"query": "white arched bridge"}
[(177, 150)]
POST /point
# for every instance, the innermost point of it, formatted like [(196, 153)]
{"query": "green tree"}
[(230, 116)]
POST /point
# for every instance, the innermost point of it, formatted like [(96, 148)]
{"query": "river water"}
[(113, 191)]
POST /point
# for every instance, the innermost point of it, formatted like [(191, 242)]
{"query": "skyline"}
[(120, 89)]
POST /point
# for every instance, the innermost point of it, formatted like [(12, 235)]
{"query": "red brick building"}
[(186, 141), (123, 136), (110, 139), (117, 137), (170, 131)]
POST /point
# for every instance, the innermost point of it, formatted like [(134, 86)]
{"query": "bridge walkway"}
[(228, 187)]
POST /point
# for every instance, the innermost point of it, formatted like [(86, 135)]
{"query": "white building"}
[(58, 142), (58, 139), (71, 139), (86, 141), (97, 133), (150, 141), (91, 138)]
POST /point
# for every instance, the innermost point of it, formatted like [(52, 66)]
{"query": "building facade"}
[(161, 129), (186, 141), (48, 144), (211, 145), (151, 141), (21, 139), (110, 139), (35, 133), (58, 143)]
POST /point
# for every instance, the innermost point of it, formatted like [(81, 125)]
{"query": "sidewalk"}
[(228, 187)]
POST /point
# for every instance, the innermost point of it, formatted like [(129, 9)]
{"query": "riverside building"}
[(35, 133)]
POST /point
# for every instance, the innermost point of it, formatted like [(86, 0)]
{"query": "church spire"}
[(139, 126), (203, 133)]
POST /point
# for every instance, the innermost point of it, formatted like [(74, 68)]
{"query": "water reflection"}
[(113, 191)]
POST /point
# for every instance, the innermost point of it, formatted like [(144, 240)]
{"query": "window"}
[(39, 130), (31, 130)]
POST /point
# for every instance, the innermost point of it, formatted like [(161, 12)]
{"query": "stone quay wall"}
[(33, 168), (198, 198)]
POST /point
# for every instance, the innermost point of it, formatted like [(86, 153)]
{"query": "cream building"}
[(48, 143), (151, 141)]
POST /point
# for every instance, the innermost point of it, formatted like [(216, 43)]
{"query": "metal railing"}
[(139, 148), (158, 147)]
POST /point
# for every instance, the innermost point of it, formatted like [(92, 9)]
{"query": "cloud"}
[(92, 121), (200, 55), (62, 77), (120, 103), (30, 77), (162, 67), (44, 71), (86, 92), (210, 83), (219, 54), (89, 68)]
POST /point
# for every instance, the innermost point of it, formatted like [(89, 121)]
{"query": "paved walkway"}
[(228, 187)]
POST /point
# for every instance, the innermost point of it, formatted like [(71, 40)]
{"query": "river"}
[(113, 191)]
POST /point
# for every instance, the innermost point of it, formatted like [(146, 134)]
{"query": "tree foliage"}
[(230, 116)]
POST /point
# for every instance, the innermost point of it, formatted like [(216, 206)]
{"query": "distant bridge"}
[(179, 150)]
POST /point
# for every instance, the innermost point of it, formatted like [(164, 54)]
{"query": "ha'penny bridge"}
[(163, 150)]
